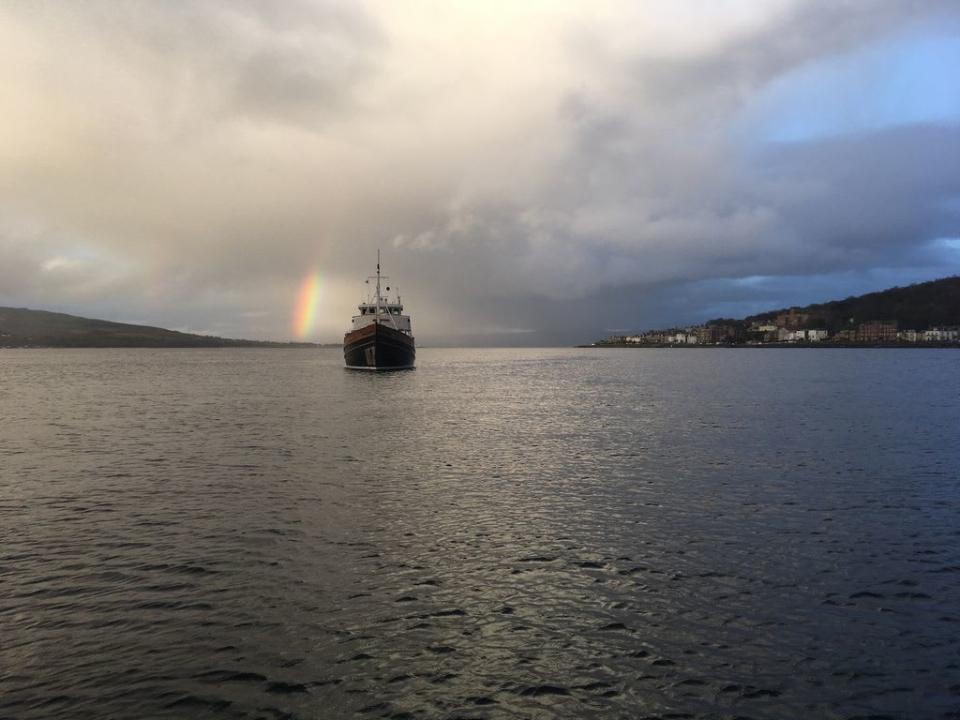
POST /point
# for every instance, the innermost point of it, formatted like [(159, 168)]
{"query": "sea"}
[(500, 533)]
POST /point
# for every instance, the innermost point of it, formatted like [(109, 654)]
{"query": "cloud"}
[(546, 166)]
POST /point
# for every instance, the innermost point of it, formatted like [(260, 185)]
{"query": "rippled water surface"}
[(497, 534)]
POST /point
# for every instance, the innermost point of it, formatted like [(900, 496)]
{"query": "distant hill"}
[(20, 327), (916, 307)]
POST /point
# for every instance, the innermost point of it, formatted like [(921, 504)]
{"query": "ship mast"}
[(382, 309), (378, 283)]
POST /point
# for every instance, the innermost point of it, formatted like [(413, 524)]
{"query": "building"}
[(941, 334), (910, 336), (792, 319), (725, 333), (763, 332), (877, 331), (809, 335), (703, 335)]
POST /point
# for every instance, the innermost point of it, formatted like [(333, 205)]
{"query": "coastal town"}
[(790, 328), (921, 309), (923, 314)]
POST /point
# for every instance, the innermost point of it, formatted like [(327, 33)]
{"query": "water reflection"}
[(499, 534)]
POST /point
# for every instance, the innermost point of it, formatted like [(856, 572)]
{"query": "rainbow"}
[(305, 311)]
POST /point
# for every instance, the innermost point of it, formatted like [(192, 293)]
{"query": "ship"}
[(379, 337)]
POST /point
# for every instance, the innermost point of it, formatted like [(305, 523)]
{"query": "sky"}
[(539, 172)]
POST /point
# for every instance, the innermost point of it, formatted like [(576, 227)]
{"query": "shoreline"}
[(264, 346), (778, 346)]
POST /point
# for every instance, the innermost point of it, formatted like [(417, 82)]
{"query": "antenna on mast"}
[(378, 282)]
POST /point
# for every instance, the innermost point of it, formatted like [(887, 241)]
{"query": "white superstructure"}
[(379, 308)]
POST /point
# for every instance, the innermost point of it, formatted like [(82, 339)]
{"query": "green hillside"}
[(20, 327), (917, 307)]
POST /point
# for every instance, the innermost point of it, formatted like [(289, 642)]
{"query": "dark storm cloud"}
[(876, 194), (533, 173), (655, 190)]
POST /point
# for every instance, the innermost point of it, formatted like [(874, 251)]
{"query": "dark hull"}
[(378, 347)]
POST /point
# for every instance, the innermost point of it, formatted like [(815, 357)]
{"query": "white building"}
[(784, 335), (941, 334)]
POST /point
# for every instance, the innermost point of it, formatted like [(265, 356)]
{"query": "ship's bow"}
[(378, 347)]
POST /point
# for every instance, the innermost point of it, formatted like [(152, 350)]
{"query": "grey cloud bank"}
[(534, 173)]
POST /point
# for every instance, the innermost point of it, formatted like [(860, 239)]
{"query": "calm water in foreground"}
[(497, 534)]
